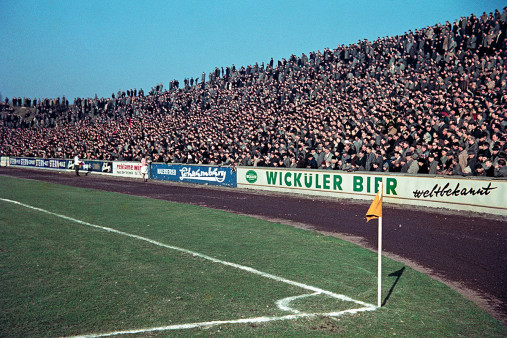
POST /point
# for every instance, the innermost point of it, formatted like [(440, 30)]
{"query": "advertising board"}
[(98, 166), (38, 162), (459, 193), (103, 167), (224, 176), (127, 169)]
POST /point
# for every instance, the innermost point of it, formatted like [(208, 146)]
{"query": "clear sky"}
[(54, 48)]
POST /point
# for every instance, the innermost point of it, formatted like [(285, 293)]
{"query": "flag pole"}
[(379, 268), (375, 211), (379, 282)]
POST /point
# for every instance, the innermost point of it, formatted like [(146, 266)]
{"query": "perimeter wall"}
[(459, 193), (478, 194)]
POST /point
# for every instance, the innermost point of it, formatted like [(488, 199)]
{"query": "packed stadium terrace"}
[(432, 101)]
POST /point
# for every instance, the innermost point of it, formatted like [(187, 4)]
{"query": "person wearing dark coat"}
[(489, 169), (432, 164), (311, 162)]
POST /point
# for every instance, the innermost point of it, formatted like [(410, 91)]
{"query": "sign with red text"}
[(127, 169)]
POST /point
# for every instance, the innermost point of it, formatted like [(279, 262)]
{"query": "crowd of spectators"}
[(431, 101)]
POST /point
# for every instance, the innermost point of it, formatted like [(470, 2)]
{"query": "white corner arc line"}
[(284, 303), (316, 290)]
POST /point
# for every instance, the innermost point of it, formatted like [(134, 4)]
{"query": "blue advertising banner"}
[(38, 162), (224, 176), (87, 166), (96, 166)]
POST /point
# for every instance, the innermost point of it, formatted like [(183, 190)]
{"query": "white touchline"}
[(282, 304)]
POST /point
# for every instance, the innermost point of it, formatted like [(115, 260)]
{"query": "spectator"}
[(427, 91)]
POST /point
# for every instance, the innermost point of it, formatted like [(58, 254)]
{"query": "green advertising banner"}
[(458, 193)]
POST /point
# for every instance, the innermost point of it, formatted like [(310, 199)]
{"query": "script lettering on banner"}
[(211, 174)]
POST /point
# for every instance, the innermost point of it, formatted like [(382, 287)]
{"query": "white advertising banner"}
[(458, 193), (127, 169), (4, 161)]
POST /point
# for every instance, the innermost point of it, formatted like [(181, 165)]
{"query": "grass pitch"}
[(63, 277)]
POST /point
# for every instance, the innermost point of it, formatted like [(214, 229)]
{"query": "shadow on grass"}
[(396, 274)]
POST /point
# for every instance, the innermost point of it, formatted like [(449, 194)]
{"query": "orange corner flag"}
[(375, 210)]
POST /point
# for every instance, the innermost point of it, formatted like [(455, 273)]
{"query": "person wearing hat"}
[(347, 165), (484, 149), (405, 162), (447, 163), (432, 164), (445, 153), (456, 168), (472, 162), (311, 162), (336, 163), (395, 166), (423, 166), (455, 147), (319, 156), (413, 164)]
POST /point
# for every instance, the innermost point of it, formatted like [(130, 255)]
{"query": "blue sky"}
[(82, 48)]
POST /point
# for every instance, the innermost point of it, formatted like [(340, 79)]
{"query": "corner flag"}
[(375, 211)]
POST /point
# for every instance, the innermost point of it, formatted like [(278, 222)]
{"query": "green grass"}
[(62, 278)]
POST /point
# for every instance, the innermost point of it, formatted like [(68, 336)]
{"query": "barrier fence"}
[(458, 193)]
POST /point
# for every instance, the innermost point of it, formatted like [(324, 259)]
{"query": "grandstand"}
[(432, 101)]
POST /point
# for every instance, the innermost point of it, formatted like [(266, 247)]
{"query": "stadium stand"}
[(432, 101)]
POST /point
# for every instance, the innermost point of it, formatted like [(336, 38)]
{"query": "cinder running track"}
[(467, 252)]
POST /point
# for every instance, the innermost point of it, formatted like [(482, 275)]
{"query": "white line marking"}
[(283, 304), (223, 322)]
